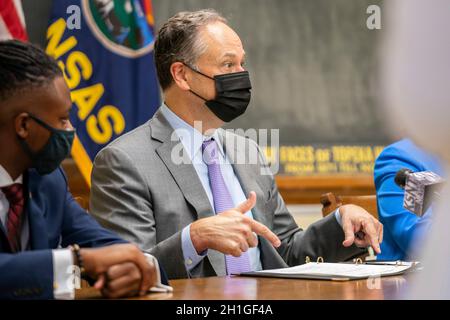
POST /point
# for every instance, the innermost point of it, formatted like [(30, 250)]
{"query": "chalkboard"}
[(313, 65)]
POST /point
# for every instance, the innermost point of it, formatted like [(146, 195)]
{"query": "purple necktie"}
[(222, 201)]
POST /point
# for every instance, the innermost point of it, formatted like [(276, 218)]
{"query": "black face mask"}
[(232, 94), (53, 152)]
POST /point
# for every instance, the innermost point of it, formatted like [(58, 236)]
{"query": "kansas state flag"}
[(105, 48)]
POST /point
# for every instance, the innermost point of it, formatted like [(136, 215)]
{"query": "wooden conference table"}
[(244, 288)]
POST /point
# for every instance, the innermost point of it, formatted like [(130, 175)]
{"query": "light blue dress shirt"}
[(192, 141)]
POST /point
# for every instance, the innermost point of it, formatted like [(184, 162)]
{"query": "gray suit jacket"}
[(140, 193)]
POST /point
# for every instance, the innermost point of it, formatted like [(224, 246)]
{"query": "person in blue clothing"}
[(402, 229), (44, 233)]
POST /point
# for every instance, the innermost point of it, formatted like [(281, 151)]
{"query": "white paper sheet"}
[(342, 269)]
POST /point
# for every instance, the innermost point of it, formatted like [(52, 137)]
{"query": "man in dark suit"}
[(38, 216)]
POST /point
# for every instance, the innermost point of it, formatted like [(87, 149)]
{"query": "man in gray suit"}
[(177, 185)]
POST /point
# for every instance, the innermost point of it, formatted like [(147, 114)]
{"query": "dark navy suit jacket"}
[(403, 230), (55, 219)]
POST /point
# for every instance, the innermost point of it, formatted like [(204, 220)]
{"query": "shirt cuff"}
[(65, 277), (158, 286), (337, 215), (191, 257)]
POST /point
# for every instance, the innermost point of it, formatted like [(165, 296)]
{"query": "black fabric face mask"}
[(232, 94), (53, 152)]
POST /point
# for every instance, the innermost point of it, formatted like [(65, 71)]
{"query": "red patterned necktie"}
[(14, 195)]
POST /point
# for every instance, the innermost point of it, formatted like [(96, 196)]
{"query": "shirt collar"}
[(191, 138), (6, 180)]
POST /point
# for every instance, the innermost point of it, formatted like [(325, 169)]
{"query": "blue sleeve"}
[(81, 228), (26, 275), (403, 225)]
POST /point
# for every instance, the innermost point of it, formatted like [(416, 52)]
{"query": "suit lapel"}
[(183, 173), (186, 178), (37, 222), (4, 239)]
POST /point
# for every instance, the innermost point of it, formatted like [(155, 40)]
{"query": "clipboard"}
[(320, 270)]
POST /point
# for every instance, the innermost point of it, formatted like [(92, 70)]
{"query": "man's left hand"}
[(361, 228)]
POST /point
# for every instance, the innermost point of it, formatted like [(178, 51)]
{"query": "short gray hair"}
[(177, 40)]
